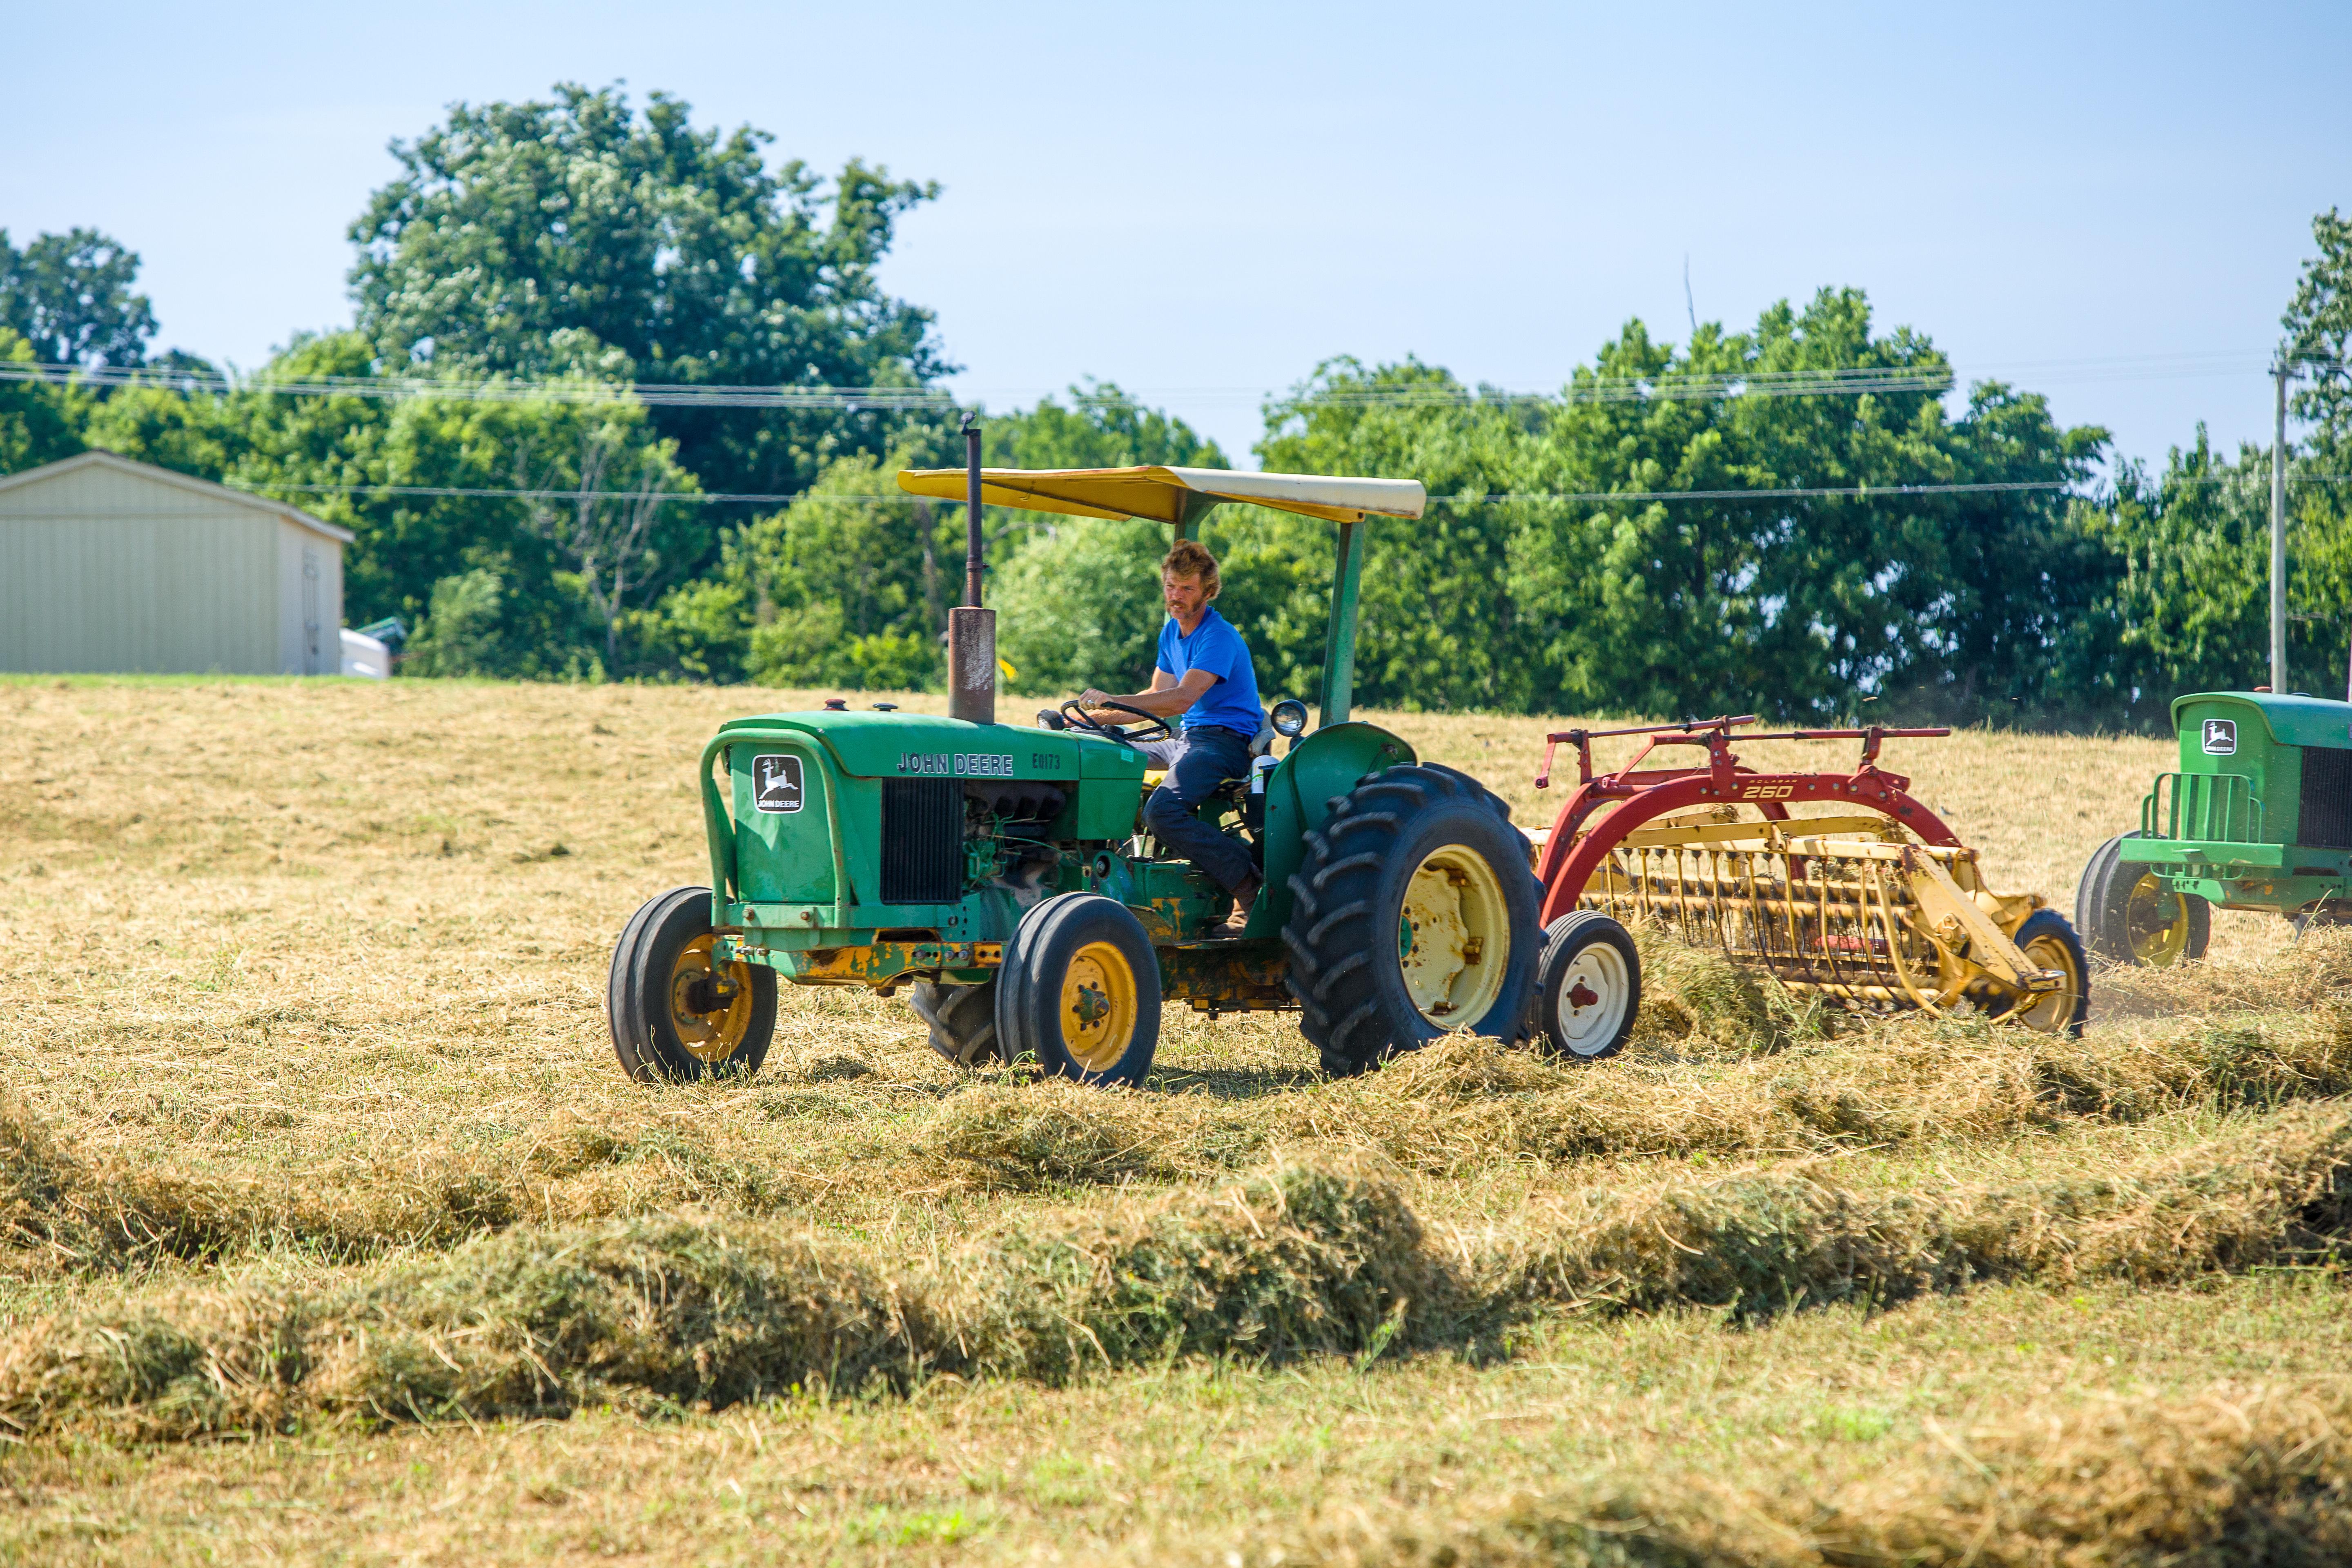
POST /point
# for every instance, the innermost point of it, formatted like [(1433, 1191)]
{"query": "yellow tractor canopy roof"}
[(1172, 495)]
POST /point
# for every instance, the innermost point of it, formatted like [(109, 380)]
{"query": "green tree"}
[(72, 297), (850, 586), (559, 518), (519, 238), (2192, 601), (1438, 626), (36, 420), (1527, 587), (1803, 606), (2191, 609), (1077, 599), (2318, 323), (157, 423), (844, 587)]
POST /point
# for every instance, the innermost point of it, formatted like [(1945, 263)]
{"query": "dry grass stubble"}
[(315, 1123)]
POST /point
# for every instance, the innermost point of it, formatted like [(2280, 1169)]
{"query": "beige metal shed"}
[(109, 564)]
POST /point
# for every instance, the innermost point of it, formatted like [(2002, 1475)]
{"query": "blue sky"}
[(1200, 201)]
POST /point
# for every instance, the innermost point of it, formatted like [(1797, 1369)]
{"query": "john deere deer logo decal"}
[(2220, 737), (776, 783)]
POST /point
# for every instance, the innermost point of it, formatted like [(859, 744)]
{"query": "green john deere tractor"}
[(2259, 816), (1003, 876)]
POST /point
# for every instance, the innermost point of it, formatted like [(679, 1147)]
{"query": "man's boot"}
[(1244, 900)]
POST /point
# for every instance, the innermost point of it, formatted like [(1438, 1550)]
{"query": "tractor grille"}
[(2327, 818), (923, 841)]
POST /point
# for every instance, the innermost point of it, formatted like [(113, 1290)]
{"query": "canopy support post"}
[(1339, 642)]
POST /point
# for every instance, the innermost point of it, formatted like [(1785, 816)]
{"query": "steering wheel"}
[(1153, 728)]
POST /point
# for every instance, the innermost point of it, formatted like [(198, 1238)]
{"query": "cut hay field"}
[(329, 1231)]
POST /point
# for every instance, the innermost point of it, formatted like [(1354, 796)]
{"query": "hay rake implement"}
[(1870, 901)]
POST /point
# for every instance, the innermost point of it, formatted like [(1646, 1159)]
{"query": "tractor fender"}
[(1317, 772)]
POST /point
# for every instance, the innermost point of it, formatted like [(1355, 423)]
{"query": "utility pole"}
[(2278, 537)]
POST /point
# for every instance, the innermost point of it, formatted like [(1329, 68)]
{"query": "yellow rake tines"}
[(1851, 907)]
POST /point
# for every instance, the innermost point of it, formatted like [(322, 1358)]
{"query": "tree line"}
[(1682, 528)]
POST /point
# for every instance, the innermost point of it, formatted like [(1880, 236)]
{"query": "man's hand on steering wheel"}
[(1081, 711)]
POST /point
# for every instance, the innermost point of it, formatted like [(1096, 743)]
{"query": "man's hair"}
[(1191, 558)]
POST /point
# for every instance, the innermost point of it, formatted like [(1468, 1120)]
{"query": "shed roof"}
[(294, 514)]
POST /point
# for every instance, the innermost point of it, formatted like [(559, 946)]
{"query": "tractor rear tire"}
[(1079, 992), (2119, 913), (1588, 987), (962, 1020), (669, 1021), (1413, 914)]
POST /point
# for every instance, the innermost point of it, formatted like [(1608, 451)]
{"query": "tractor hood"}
[(2291, 719), (923, 745)]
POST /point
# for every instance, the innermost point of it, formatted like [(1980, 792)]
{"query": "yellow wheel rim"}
[(1099, 1009), (711, 1021), (1453, 937), (2156, 921), (2054, 1010)]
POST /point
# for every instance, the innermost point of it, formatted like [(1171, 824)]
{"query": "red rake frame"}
[(1644, 795)]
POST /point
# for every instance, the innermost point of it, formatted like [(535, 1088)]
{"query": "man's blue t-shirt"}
[(1215, 646)]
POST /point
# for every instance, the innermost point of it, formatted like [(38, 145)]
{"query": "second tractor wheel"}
[(2125, 913), (673, 1015), (1413, 915), (1080, 991), (962, 1020)]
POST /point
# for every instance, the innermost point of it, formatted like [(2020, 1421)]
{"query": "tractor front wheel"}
[(1413, 915), (2127, 913), (1080, 991), (675, 1015)]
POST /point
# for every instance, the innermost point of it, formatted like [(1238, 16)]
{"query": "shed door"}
[(309, 611)]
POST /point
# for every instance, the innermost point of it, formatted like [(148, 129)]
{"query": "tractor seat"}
[(1259, 747)]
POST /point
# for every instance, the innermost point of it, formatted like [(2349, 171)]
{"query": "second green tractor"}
[(2258, 816)]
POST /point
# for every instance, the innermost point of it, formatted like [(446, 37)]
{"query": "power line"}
[(463, 492), (699, 498), (1850, 382), (658, 395), (1669, 386)]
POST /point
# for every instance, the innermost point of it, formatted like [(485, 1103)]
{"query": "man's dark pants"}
[(1197, 763)]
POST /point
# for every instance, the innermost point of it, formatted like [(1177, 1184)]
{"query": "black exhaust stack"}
[(971, 630)]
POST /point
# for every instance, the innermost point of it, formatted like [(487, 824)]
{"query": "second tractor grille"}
[(923, 841), (2326, 817)]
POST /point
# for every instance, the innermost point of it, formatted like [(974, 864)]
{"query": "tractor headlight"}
[(1289, 718)]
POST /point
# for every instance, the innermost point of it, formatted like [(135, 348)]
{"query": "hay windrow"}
[(1305, 1259), (2242, 1478), (1458, 1109)]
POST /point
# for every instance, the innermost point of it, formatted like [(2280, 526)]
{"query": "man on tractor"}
[(1204, 674)]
